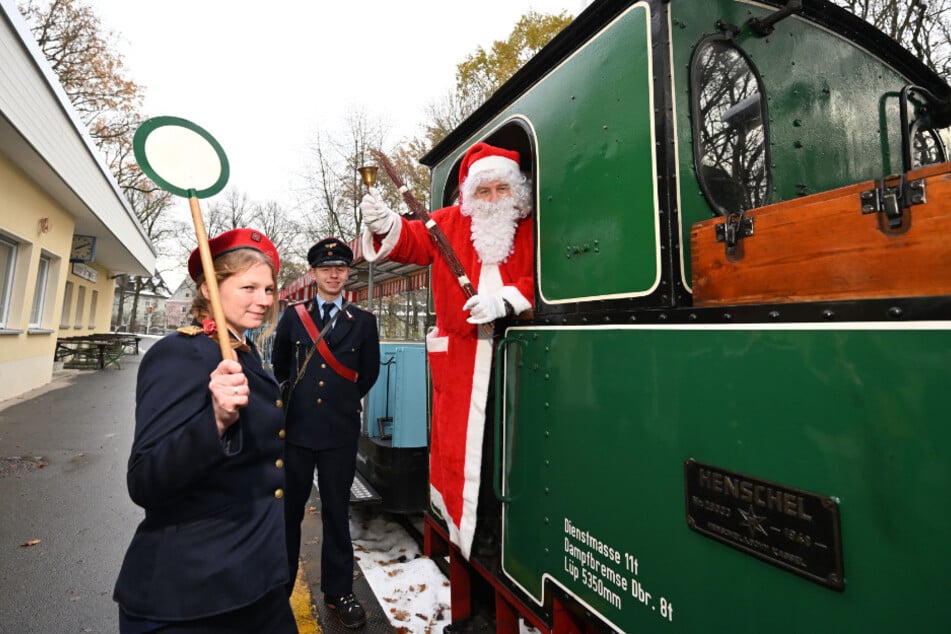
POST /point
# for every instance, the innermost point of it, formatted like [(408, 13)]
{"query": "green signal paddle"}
[(184, 159)]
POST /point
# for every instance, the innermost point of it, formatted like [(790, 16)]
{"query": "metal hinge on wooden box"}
[(892, 201)]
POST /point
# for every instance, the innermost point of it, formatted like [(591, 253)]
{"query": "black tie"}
[(328, 306)]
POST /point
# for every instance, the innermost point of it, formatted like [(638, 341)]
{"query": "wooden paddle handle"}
[(208, 267)]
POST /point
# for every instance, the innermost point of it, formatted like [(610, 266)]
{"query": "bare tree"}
[(91, 72), (231, 210), (924, 28), (331, 198)]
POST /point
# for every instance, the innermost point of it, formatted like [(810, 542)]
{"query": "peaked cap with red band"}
[(483, 161), (232, 240)]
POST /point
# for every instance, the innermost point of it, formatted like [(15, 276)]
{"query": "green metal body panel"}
[(598, 423), (598, 419), (833, 107), (597, 207)]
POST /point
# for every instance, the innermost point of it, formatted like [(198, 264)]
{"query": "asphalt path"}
[(65, 516)]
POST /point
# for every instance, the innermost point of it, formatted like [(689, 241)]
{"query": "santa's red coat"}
[(460, 355)]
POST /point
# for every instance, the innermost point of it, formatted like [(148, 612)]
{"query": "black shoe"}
[(348, 610)]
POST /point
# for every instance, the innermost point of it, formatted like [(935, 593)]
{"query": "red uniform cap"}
[(231, 240)]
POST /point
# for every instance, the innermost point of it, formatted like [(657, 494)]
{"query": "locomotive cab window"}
[(729, 136)]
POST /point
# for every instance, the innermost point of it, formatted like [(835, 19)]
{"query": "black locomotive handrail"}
[(766, 26), (937, 111), (499, 388)]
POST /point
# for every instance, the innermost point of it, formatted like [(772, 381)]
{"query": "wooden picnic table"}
[(102, 349)]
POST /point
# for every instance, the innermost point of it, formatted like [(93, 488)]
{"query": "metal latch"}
[(735, 228), (892, 202)]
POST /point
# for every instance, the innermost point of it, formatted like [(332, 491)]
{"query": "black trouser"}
[(335, 470)]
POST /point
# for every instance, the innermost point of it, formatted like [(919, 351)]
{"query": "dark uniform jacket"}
[(325, 408), (213, 535)]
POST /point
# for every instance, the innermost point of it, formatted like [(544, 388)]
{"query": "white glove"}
[(484, 307), (378, 217)]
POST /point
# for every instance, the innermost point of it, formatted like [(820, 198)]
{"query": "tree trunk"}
[(134, 311), (120, 311)]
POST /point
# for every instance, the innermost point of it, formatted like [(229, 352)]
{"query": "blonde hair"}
[(226, 265)]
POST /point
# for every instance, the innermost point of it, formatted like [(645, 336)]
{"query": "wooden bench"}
[(131, 343), (77, 355), (112, 352), (85, 352)]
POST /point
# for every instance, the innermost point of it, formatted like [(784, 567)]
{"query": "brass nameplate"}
[(790, 528)]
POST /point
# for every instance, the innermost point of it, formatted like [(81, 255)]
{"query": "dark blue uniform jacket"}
[(325, 408), (213, 535)]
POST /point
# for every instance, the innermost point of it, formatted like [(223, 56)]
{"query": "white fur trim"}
[(386, 246), (515, 298), (475, 428), (436, 343), (494, 162), (439, 505)]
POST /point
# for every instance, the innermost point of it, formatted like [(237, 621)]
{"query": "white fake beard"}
[(493, 228)]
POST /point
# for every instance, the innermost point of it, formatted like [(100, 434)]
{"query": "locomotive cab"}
[(728, 403)]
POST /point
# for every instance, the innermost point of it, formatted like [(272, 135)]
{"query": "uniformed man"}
[(323, 415)]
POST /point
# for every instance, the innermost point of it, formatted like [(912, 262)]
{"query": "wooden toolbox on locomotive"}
[(886, 238)]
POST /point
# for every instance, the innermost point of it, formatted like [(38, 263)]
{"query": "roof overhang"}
[(43, 136)]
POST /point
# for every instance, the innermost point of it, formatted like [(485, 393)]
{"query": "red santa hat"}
[(484, 162), (231, 240)]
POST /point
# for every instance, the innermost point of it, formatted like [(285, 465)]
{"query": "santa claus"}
[(490, 231)]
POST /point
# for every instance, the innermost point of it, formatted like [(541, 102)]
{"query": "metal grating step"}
[(362, 492)]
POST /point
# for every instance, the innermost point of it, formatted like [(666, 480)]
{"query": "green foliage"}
[(481, 74)]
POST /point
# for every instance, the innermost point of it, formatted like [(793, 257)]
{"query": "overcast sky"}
[(262, 78)]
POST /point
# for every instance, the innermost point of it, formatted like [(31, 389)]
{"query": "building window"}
[(39, 292), (8, 255), (80, 305), (92, 309), (67, 305)]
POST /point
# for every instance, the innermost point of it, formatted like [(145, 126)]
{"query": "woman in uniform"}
[(207, 464)]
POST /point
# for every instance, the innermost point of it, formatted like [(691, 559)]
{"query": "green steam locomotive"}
[(728, 411)]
